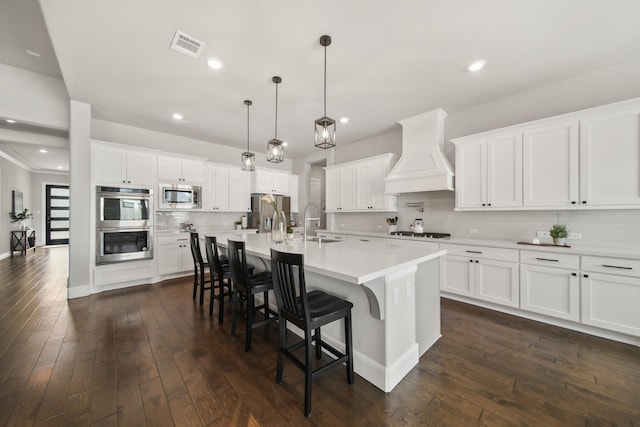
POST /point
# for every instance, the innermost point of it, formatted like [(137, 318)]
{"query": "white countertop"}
[(575, 249), (351, 261)]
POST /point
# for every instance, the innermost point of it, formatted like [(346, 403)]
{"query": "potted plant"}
[(20, 217), (238, 225), (559, 234), (290, 233)]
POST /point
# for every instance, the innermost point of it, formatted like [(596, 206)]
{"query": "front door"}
[(57, 214)]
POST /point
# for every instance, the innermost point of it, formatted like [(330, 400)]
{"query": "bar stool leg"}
[(318, 338), (234, 312), (308, 375), (251, 302), (349, 347), (282, 326)]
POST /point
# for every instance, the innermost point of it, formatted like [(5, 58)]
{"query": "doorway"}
[(56, 214)]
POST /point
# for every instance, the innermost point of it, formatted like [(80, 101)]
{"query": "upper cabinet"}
[(176, 169), (113, 165), (489, 172), (270, 181), (225, 189), (588, 159), (359, 186)]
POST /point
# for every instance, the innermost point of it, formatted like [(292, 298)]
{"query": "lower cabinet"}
[(174, 254), (611, 301), (487, 274), (551, 291)]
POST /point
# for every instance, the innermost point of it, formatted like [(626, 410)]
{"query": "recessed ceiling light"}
[(177, 116), (42, 150), (10, 121), (32, 53), (476, 65), (344, 119), (60, 167), (215, 63)]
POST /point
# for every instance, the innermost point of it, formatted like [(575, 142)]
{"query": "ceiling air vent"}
[(186, 44)]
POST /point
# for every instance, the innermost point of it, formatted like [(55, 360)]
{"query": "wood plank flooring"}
[(151, 356)]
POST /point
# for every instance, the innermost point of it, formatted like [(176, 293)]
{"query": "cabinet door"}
[(610, 160), (281, 183), (262, 181), (363, 187), (109, 165), (348, 188), (332, 191), (141, 168), (221, 188), (550, 166), (187, 258), (611, 302), (457, 275), (504, 170), (551, 291), (497, 282), (192, 171), (471, 173), (239, 190), (169, 169), (169, 258), (378, 170)]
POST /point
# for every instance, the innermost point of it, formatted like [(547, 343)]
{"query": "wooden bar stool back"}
[(199, 267), (220, 277)]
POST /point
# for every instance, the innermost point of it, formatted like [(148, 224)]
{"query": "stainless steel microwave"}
[(178, 196)]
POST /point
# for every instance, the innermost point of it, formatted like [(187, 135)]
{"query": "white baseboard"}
[(5, 255), (78, 291)]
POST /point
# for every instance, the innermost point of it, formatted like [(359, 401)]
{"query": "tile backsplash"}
[(175, 220), (610, 228)]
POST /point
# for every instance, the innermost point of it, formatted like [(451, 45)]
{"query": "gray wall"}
[(12, 177)]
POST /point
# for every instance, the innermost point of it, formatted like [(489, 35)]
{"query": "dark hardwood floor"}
[(151, 356)]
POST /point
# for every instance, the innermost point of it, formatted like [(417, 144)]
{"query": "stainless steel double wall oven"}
[(124, 225)]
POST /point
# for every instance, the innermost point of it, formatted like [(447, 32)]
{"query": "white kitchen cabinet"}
[(118, 166), (489, 172), (340, 189), (358, 186), (551, 165), (484, 273), (239, 190), (610, 159), (269, 181), (174, 254), (551, 291), (611, 301), (175, 169)]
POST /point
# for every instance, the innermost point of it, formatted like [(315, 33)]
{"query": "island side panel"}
[(427, 302)]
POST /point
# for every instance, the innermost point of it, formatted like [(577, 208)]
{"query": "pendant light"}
[(325, 128), (275, 147), (248, 158)]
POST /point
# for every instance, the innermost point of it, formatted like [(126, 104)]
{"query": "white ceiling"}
[(389, 59)]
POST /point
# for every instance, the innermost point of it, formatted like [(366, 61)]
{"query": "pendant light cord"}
[(247, 128), (325, 81), (276, 130)]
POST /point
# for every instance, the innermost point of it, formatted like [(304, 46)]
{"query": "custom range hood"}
[(422, 165)]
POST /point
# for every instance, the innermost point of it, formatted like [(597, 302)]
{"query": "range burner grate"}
[(429, 234)]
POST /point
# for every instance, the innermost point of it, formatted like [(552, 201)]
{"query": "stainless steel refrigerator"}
[(261, 214)]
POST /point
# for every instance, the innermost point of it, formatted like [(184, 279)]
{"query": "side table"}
[(22, 241)]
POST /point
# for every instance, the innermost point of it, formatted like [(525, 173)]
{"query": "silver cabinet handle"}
[(548, 259), (617, 266)]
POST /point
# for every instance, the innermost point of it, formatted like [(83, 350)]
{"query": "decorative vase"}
[(560, 241), (278, 227)]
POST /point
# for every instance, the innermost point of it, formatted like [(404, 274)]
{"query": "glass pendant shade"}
[(275, 151), (248, 162), (325, 135), (275, 147)]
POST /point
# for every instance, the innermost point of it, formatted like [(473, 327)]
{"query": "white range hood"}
[(422, 165)]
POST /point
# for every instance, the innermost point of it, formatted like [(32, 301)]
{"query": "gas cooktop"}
[(429, 234)]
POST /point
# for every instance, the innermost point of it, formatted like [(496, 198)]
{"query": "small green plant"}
[(559, 231), (20, 216)]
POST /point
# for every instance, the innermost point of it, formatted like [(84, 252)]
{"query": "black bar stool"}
[(220, 277), (308, 311), (245, 287), (199, 267)]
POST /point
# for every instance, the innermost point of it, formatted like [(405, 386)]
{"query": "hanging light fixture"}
[(275, 147), (248, 158), (325, 128)]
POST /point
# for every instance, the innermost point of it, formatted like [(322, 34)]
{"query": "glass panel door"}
[(57, 214)]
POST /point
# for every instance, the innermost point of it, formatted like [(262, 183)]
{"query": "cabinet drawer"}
[(550, 259), (619, 266), (336, 236), (481, 252), (173, 239), (365, 238)]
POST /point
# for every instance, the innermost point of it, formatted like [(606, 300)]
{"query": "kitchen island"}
[(394, 289)]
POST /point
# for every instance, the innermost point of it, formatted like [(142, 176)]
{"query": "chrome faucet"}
[(310, 219)]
